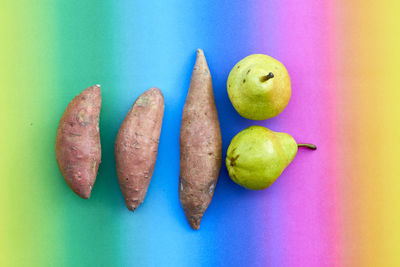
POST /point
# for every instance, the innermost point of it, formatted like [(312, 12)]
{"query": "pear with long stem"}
[(257, 156)]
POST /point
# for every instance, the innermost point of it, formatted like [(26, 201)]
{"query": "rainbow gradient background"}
[(337, 206)]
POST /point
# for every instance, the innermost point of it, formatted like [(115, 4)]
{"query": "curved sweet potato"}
[(136, 146), (78, 149), (200, 145)]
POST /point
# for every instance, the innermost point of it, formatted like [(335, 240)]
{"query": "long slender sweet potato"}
[(78, 149), (200, 145), (136, 146)]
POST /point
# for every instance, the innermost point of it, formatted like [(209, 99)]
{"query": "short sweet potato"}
[(136, 146), (78, 149), (200, 145)]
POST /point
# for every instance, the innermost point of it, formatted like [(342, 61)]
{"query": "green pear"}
[(257, 156), (259, 87)]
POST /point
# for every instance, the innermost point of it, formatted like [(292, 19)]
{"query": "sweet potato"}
[(200, 145), (136, 146), (78, 149)]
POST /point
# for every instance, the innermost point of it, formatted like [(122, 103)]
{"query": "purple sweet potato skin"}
[(136, 146), (200, 145), (78, 149)]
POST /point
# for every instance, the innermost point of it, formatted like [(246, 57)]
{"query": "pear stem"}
[(266, 77), (310, 146)]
